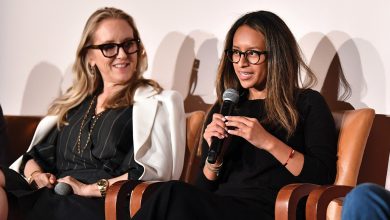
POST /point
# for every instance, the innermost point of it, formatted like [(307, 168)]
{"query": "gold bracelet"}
[(30, 178), (213, 169), (216, 166)]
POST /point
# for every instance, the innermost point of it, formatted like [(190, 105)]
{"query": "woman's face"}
[(118, 69), (251, 76)]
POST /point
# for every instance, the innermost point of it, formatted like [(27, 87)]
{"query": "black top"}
[(251, 173), (109, 152)]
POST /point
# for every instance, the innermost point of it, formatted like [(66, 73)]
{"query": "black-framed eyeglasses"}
[(253, 56), (110, 50)]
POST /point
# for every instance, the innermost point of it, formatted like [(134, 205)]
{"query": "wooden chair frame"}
[(136, 191)]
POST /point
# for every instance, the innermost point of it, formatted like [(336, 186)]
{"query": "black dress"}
[(251, 178), (108, 154)]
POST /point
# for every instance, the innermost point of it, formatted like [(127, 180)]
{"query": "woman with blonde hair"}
[(112, 124)]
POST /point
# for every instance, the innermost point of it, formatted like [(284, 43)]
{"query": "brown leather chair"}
[(354, 127), (118, 195), (20, 130), (194, 123)]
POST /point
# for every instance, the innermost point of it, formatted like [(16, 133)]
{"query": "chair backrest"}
[(20, 130), (194, 124), (354, 127)]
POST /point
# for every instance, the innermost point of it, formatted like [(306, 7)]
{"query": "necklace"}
[(94, 120)]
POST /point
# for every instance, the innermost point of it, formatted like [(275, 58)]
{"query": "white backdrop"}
[(339, 38), (38, 41)]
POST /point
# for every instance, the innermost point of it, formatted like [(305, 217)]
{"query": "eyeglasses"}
[(110, 50), (253, 56)]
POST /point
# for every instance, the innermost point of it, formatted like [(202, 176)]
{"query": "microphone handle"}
[(214, 151), (226, 108), (212, 157), (216, 144)]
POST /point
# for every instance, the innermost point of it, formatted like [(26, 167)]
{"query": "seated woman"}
[(111, 125), (280, 133)]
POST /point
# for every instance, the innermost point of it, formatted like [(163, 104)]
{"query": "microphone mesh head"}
[(230, 95), (63, 189)]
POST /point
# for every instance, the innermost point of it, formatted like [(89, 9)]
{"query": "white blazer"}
[(159, 133)]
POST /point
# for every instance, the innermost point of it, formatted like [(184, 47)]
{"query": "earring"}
[(92, 70)]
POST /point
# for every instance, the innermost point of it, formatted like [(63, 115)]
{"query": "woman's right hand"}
[(44, 179), (216, 128)]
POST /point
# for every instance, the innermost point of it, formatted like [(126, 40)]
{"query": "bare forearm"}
[(282, 152)]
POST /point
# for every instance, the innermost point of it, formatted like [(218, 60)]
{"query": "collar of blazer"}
[(144, 113)]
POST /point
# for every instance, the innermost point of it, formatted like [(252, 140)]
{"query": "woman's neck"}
[(257, 94), (107, 93)]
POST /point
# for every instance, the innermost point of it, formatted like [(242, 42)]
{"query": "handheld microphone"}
[(63, 189), (230, 98)]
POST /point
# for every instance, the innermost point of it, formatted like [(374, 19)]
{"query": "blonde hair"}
[(87, 80), (284, 65)]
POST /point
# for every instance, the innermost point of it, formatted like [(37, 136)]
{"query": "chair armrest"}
[(115, 203), (140, 194), (319, 199), (288, 198)]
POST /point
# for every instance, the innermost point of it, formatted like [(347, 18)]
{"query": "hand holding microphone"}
[(230, 98), (63, 189)]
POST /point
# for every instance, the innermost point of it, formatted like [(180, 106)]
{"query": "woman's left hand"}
[(250, 129), (78, 187)]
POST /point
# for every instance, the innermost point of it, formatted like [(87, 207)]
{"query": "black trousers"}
[(178, 200), (28, 203)]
